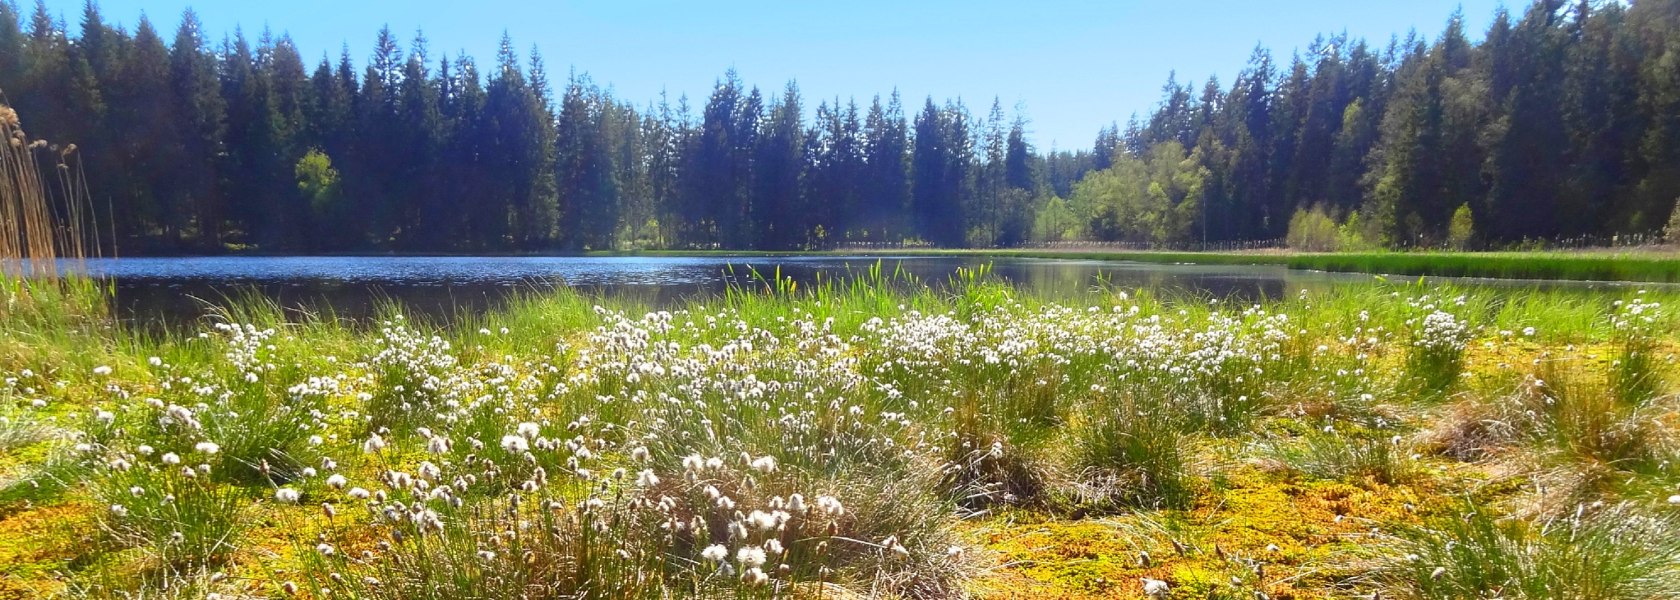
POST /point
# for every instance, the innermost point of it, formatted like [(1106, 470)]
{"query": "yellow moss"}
[(1288, 527), (38, 543)]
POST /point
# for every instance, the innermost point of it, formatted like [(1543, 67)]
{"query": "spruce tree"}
[(199, 115)]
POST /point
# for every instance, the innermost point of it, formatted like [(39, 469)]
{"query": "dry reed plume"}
[(42, 218)]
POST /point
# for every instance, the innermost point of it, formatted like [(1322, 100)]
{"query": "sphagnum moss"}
[(873, 437)]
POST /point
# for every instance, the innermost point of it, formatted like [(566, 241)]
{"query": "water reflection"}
[(164, 290)]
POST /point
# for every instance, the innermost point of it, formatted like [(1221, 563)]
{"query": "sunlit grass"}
[(787, 438)]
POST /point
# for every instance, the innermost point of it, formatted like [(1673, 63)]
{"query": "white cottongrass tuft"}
[(647, 478), (529, 430), (1154, 588), (715, 553), (751, 556)]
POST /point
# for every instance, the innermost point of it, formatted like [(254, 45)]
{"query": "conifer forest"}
[(1562, 121)]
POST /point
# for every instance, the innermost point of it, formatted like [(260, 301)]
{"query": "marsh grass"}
[(44, 217), (182, 522), (1133, 458), (16, 433), (566, 445), (1609, 553), (1563, 265), (1331, 454)]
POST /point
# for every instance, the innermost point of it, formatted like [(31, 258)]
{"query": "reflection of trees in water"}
[(163, 300)]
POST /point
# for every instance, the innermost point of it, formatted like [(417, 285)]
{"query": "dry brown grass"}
[(43, 217)]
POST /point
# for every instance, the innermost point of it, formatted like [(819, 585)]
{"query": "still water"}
[(151, 290)]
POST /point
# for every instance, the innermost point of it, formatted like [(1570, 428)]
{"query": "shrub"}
[(1671, 230), (1461, 230), (1312, 230)]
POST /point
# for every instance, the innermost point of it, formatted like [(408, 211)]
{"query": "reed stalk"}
[(43, 219)]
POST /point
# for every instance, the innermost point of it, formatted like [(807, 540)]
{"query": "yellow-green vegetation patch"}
[(867, 440), (39, 544)]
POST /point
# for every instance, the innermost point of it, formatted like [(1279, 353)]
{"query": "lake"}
[(179, 289)]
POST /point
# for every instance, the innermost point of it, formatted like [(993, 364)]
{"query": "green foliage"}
[(1461, 231), (1154, 199), (1611, 553), (318, 181), (1055, 222), (1313, 231), (1557, 122), (1671, 230), (1356, 235)]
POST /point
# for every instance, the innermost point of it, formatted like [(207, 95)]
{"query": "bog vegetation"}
[(1559, 121), (873, 438)]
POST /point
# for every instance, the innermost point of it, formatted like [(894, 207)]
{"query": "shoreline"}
[(1644, 266)]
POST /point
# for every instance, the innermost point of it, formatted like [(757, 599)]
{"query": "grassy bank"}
[(1641, 267), (1645, 266), (865, 439)]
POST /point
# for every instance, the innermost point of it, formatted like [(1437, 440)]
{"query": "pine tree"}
[(256, 180), (1102, 151), (518, 161), (1019, 185), (712, 184), (464, 109)]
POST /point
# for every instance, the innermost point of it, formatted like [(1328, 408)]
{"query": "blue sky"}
[(1073, 66)]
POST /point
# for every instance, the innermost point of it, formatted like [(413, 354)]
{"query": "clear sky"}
[(1073, 66)]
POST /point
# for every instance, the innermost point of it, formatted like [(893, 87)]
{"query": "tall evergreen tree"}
[(886, 177), (199, 111), (588, 190), (778, 168)]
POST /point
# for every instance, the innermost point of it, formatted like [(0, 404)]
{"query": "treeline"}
[(1563, 121), (194, 146)]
